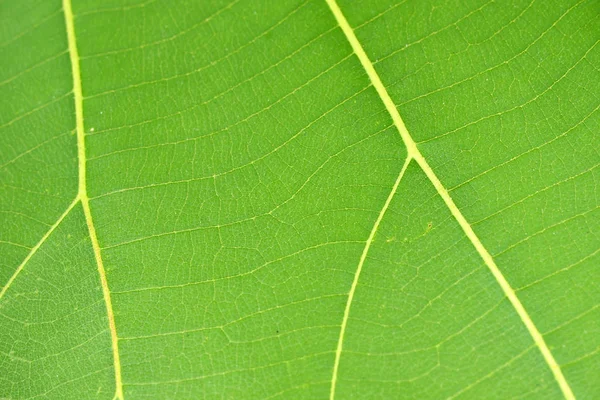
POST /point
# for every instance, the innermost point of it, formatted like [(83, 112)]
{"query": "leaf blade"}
[(237, 158)]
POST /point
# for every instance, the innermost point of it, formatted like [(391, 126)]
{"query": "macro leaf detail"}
[(299, 199)]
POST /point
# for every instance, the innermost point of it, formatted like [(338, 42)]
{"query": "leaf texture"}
[(299, 199)]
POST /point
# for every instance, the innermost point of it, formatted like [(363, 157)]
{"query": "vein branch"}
[(83, 195), (37, 246), (414, 152), (363, 257)]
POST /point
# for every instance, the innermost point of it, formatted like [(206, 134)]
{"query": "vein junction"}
[(83, 195), (414, 153)]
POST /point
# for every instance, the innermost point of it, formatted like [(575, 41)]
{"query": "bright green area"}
[(237, 160)]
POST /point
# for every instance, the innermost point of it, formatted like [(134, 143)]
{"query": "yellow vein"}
[(83, 196), (37, 246), (363, 257), (414, 152)]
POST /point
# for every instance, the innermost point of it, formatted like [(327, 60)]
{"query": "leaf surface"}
[(299, 199)]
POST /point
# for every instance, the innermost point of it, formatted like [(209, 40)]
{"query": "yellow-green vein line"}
[(363, 257), (37, 246), (83, 195), (414, 152)]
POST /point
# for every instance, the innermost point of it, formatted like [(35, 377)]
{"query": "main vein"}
[(413, 152), (83, 195)]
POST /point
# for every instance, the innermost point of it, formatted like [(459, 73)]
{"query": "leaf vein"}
[(415, 153)]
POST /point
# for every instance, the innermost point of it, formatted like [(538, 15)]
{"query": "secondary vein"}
[(83, 195), (363, 257), (414, 152), (37, 246)]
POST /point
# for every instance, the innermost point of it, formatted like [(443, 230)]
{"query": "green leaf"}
[(299, 199)]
